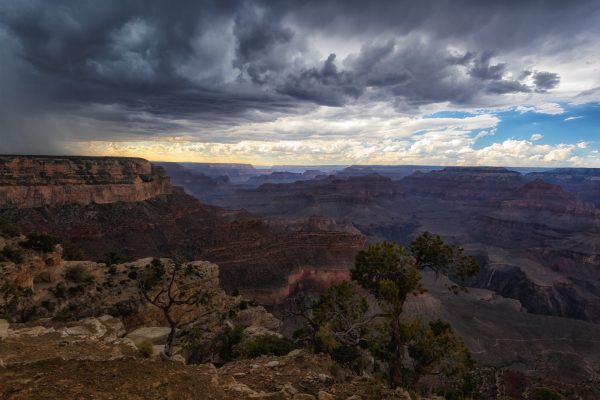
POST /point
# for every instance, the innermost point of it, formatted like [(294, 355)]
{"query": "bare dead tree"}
[(177, 289)]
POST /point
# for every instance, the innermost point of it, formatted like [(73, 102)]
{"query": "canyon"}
[(536, 241), (128, 207), (534, 304)]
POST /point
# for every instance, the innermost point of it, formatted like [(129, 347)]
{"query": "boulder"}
[(87, 327), (256, 331), (113, 325), (257, 316), (155, 334), (322, 395)]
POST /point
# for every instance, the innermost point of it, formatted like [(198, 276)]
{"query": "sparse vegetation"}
[(113, 258), (8, 230), (78, 274), (226, 342), (72, 252), (60, 291), (40, 242), (146, 349), (13, 253), (270, 345), (15, 302), (543, 393), (66, 314)]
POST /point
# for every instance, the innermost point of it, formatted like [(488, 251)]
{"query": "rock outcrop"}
[(111, 374), (38, 181)]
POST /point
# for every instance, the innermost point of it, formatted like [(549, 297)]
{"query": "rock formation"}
[(37, 181)]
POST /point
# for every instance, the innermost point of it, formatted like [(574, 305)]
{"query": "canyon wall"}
[(128, 207), (41, 181)]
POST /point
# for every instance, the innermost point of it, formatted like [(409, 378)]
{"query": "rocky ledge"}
[(39, 181)]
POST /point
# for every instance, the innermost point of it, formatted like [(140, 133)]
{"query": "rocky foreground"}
[(95, 359)]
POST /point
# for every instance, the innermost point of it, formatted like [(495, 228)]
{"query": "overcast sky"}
[(449, 82)]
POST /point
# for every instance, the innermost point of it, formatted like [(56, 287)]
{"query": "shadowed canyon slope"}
[(538, 243), (128, 206)]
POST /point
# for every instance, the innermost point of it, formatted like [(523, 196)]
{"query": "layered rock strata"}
[(38, 181)]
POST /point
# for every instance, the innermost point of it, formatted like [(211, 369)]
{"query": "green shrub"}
[(113, 258), (60, 291), (66, 314), (13, 253), (152, 275), (15, 302), (227, 341), (72, 252), (76, 290), (270, 345), (542, 393), (146, 349), (40, 242), (8, 230), (78, 274)]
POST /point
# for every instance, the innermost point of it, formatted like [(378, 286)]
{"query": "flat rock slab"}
[(155, 334)]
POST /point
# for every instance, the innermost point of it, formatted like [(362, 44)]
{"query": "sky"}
[(437, 82)]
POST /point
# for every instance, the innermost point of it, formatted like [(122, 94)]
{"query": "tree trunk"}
[(396, 366), (167, 352)]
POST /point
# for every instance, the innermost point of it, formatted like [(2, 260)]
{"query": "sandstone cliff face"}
[(37, 181)]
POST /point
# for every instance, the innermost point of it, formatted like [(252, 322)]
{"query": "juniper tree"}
[(391, 273)]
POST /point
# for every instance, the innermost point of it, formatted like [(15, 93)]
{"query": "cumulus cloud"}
[(439, 148), (543, 108), (536, 137)]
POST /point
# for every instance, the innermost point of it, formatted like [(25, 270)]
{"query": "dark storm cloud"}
[(326, 86), (483, 69), (505, 86), (545, 81), (260, 44), (220, 62)]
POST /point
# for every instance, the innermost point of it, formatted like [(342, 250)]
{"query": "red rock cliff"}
[(38, 181)]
